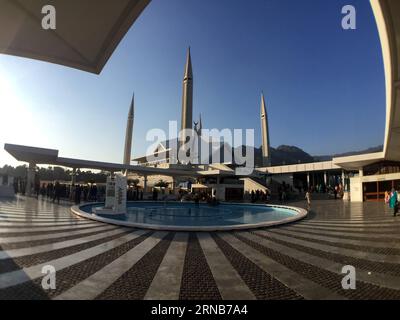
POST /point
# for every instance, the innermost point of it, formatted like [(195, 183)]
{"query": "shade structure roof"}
[(357, 162), (388, 23), (51, 157), (87, 31)]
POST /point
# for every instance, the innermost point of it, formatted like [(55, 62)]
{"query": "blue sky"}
[(324, 86)]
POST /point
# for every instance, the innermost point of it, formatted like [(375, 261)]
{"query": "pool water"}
[(196, 215)]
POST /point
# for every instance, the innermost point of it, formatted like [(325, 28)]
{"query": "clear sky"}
[(324, 86)]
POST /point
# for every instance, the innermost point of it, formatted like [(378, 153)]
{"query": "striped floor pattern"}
[(303, 260)]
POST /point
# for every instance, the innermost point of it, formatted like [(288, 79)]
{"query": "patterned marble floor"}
[(299, 261)]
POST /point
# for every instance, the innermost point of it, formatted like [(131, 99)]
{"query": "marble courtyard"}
[(100, 261)]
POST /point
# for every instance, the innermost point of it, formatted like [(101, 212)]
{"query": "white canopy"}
[(87, 31)]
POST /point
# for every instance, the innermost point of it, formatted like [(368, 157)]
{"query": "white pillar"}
[(325, 179), (361, 172), (73, 182), (343, 182), (73, 177), (30, 179), (219, 191), (346, 189), (308, 180), (173, 185)]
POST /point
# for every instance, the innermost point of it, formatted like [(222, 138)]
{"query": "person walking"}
[(393, 202), (308, 198), (85, 193), (398, 201), (78, 193), (57, 192), (253, 196), (387, 197)]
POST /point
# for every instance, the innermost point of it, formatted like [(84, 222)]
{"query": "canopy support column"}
[(30, 181)]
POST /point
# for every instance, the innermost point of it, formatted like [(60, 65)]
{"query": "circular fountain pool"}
[(185, 216)]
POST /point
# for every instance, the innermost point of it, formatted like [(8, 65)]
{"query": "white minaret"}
[(187, 95), (266, 154), (128, 134), (200, 126)]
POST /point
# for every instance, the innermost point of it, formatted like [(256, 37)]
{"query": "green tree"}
[(162, 184), (133, 182)]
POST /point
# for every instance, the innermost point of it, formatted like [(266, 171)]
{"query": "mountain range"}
[(286, 155), (291, 155)]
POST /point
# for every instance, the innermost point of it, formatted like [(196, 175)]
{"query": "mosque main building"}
[(363, 177), (216, 170)]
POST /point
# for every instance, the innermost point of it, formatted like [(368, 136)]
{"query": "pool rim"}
[(301, 214)]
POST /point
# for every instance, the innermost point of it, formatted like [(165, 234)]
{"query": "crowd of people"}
[(77, 193), (197, 197), (284, 192), (392, 199), (259, 196), (90, 192), (134, 194), (335, 191), (84, 193)]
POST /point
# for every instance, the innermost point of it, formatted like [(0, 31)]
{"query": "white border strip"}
[(301, 214)]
